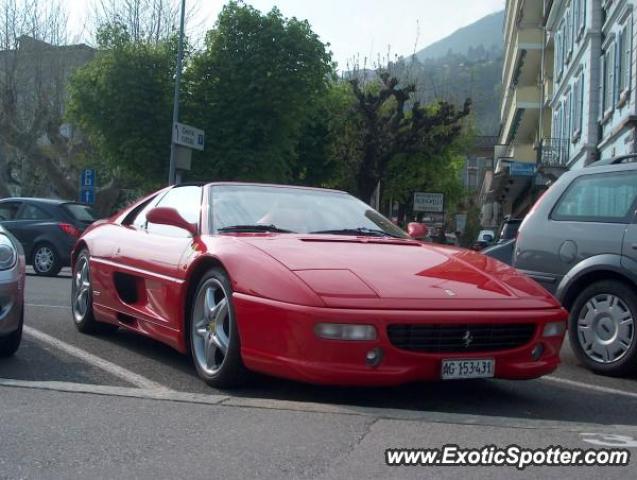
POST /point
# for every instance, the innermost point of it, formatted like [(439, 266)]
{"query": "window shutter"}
[(619, 60), (602, 87), (628, 52), (583, 14), (618, 65), (581, 102), (610, 77)]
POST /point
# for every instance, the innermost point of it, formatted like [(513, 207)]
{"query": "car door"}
[(152, 255), (32, 222), (629, 245), (8, 213)]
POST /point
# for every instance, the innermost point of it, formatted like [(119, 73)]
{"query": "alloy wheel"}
[(44, 259), (211, 326), (606, 328), (82, 284)]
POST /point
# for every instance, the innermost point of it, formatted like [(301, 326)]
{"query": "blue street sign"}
[(87, 179), (522, 169), (87, 195)]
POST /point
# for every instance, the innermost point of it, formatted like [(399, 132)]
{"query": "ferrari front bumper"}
[(279, 339)]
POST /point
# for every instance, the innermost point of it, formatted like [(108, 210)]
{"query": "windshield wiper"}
[(368, 232), (253, 228)]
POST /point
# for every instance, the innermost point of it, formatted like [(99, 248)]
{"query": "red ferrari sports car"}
[(307, 284)]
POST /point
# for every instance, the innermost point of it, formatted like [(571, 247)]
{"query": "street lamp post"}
[(180, 56)]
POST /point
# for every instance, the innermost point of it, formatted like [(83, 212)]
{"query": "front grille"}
[(441, 338)]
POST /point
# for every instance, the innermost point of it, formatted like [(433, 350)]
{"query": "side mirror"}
[(487, 238), (170, 216), (417, 230)]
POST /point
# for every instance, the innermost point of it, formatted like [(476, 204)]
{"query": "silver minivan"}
[(580, 242)]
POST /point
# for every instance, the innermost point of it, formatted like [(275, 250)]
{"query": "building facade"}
[(618, 113), (573, 28), (585, 78), (523, 114)]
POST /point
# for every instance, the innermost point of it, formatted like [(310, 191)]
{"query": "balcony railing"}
[(554, 152)]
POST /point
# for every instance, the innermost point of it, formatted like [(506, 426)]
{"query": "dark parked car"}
[(505, 246), (580, 242), (502, 251), (509, 229), (47, 229)]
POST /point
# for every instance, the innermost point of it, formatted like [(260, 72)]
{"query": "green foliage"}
[(391, 137), (122, 100), (264, 90), (257, 90)]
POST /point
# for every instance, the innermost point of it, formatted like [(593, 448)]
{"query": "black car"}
[(46, 228), (505, 246)]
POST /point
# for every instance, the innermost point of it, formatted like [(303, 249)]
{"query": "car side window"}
[(8, 210), (187, 201), (137, 218), (31, 212), (605, 198)]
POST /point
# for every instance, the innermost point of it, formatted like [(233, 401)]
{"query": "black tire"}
[(627, 362), (55, 266), (84, 320), (9, 343), (231, 372)]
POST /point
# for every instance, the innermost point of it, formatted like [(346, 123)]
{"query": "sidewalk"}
[(54, 434)]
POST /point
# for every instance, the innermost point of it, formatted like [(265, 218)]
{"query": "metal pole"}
[(180, 56)]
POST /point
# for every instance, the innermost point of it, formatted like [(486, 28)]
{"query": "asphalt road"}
[(63, 388)]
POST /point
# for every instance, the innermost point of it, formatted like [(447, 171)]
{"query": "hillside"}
[(486, 32)]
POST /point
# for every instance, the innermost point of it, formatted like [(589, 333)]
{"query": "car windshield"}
[(80, 212), (245, 208)]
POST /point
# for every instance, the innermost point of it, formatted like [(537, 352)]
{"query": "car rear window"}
[(80, 212)]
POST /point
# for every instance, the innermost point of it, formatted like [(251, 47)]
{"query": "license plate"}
[(456, 369)]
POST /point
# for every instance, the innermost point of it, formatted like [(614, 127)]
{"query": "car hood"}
[(368, 272)]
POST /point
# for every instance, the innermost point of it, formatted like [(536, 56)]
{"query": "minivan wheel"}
[(45, 260), (602, 328)]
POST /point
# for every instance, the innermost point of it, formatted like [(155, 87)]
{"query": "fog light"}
[(374, 356), (341, 331), (554, 329), (537, 351)]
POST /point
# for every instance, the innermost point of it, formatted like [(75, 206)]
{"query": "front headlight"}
[(8, 253)]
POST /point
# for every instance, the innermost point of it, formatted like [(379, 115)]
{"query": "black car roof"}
[(47, 201)]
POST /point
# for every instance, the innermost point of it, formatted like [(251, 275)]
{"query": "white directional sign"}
[(429, 202), (188, 136)]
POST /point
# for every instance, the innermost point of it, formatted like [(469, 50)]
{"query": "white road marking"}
[(120, 372), (588, 386)]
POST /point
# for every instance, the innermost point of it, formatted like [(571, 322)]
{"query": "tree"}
[(389, 127), (254, 89), (122, 101), (37, 151)]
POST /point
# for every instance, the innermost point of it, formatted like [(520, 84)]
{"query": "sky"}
[(363, 28)]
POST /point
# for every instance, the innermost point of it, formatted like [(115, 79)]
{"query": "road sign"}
[(188, 136), (87, 178), (522, 169), (429, 202), (87, 195)]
